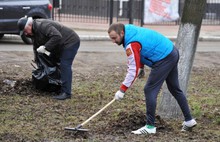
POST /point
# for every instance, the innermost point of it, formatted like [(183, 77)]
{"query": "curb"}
[(209, 38), (106, 38)]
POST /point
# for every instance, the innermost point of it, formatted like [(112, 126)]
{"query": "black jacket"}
[(53, 35)]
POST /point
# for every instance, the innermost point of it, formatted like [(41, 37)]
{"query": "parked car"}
[(12, 10)]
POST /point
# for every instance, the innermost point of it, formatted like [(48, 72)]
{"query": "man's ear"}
[(122, 33)]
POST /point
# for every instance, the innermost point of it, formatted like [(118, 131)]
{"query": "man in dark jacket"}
[(61, 42)]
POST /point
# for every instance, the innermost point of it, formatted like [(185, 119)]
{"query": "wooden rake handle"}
[(97, 113)]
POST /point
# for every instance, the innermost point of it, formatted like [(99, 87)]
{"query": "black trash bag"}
[(46, 77)]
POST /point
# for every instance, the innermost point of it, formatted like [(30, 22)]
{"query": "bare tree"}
[(187, 38)]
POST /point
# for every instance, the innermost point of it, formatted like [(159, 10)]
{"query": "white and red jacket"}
[(143, 47), (133, 63)]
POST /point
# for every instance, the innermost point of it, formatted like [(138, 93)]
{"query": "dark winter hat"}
[(23, 23)]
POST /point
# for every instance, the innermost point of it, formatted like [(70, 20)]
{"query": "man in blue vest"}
[(147, 47)]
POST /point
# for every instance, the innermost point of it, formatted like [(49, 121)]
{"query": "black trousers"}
[(66, 62), (164, 70)]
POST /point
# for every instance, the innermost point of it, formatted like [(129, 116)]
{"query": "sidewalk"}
[(88, 31), (98, 32)]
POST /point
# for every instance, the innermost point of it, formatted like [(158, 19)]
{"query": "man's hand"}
[(141, 73), (42, 49), (119, 95)]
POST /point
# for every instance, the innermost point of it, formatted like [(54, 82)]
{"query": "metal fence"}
[(92, 11), (212, 14), (127, 11)]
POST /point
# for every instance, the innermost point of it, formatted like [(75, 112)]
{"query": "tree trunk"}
[(187, 38)]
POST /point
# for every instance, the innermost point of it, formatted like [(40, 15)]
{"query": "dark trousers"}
[(165, 69), (66, 62)]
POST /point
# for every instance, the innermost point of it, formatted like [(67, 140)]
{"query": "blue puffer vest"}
[(155, 46)]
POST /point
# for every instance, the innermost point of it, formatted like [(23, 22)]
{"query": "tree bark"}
[(187, 38)]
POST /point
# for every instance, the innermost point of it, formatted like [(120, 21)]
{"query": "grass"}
[(28, 115), (205, 94)]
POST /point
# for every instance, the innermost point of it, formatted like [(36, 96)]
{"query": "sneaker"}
[(145, 130), (188, 125)]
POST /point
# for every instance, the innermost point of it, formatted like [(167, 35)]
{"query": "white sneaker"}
[(188, 125), (144, 130)]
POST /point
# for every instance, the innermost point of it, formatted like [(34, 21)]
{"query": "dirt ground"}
[(96, 77)]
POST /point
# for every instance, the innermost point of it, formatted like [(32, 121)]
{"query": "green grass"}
[(205, 95)]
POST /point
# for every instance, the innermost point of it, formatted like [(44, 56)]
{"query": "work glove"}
[(141, 73), (42, 49), (119, 95)]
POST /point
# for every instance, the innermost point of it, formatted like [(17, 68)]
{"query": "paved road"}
[(98, 46)]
